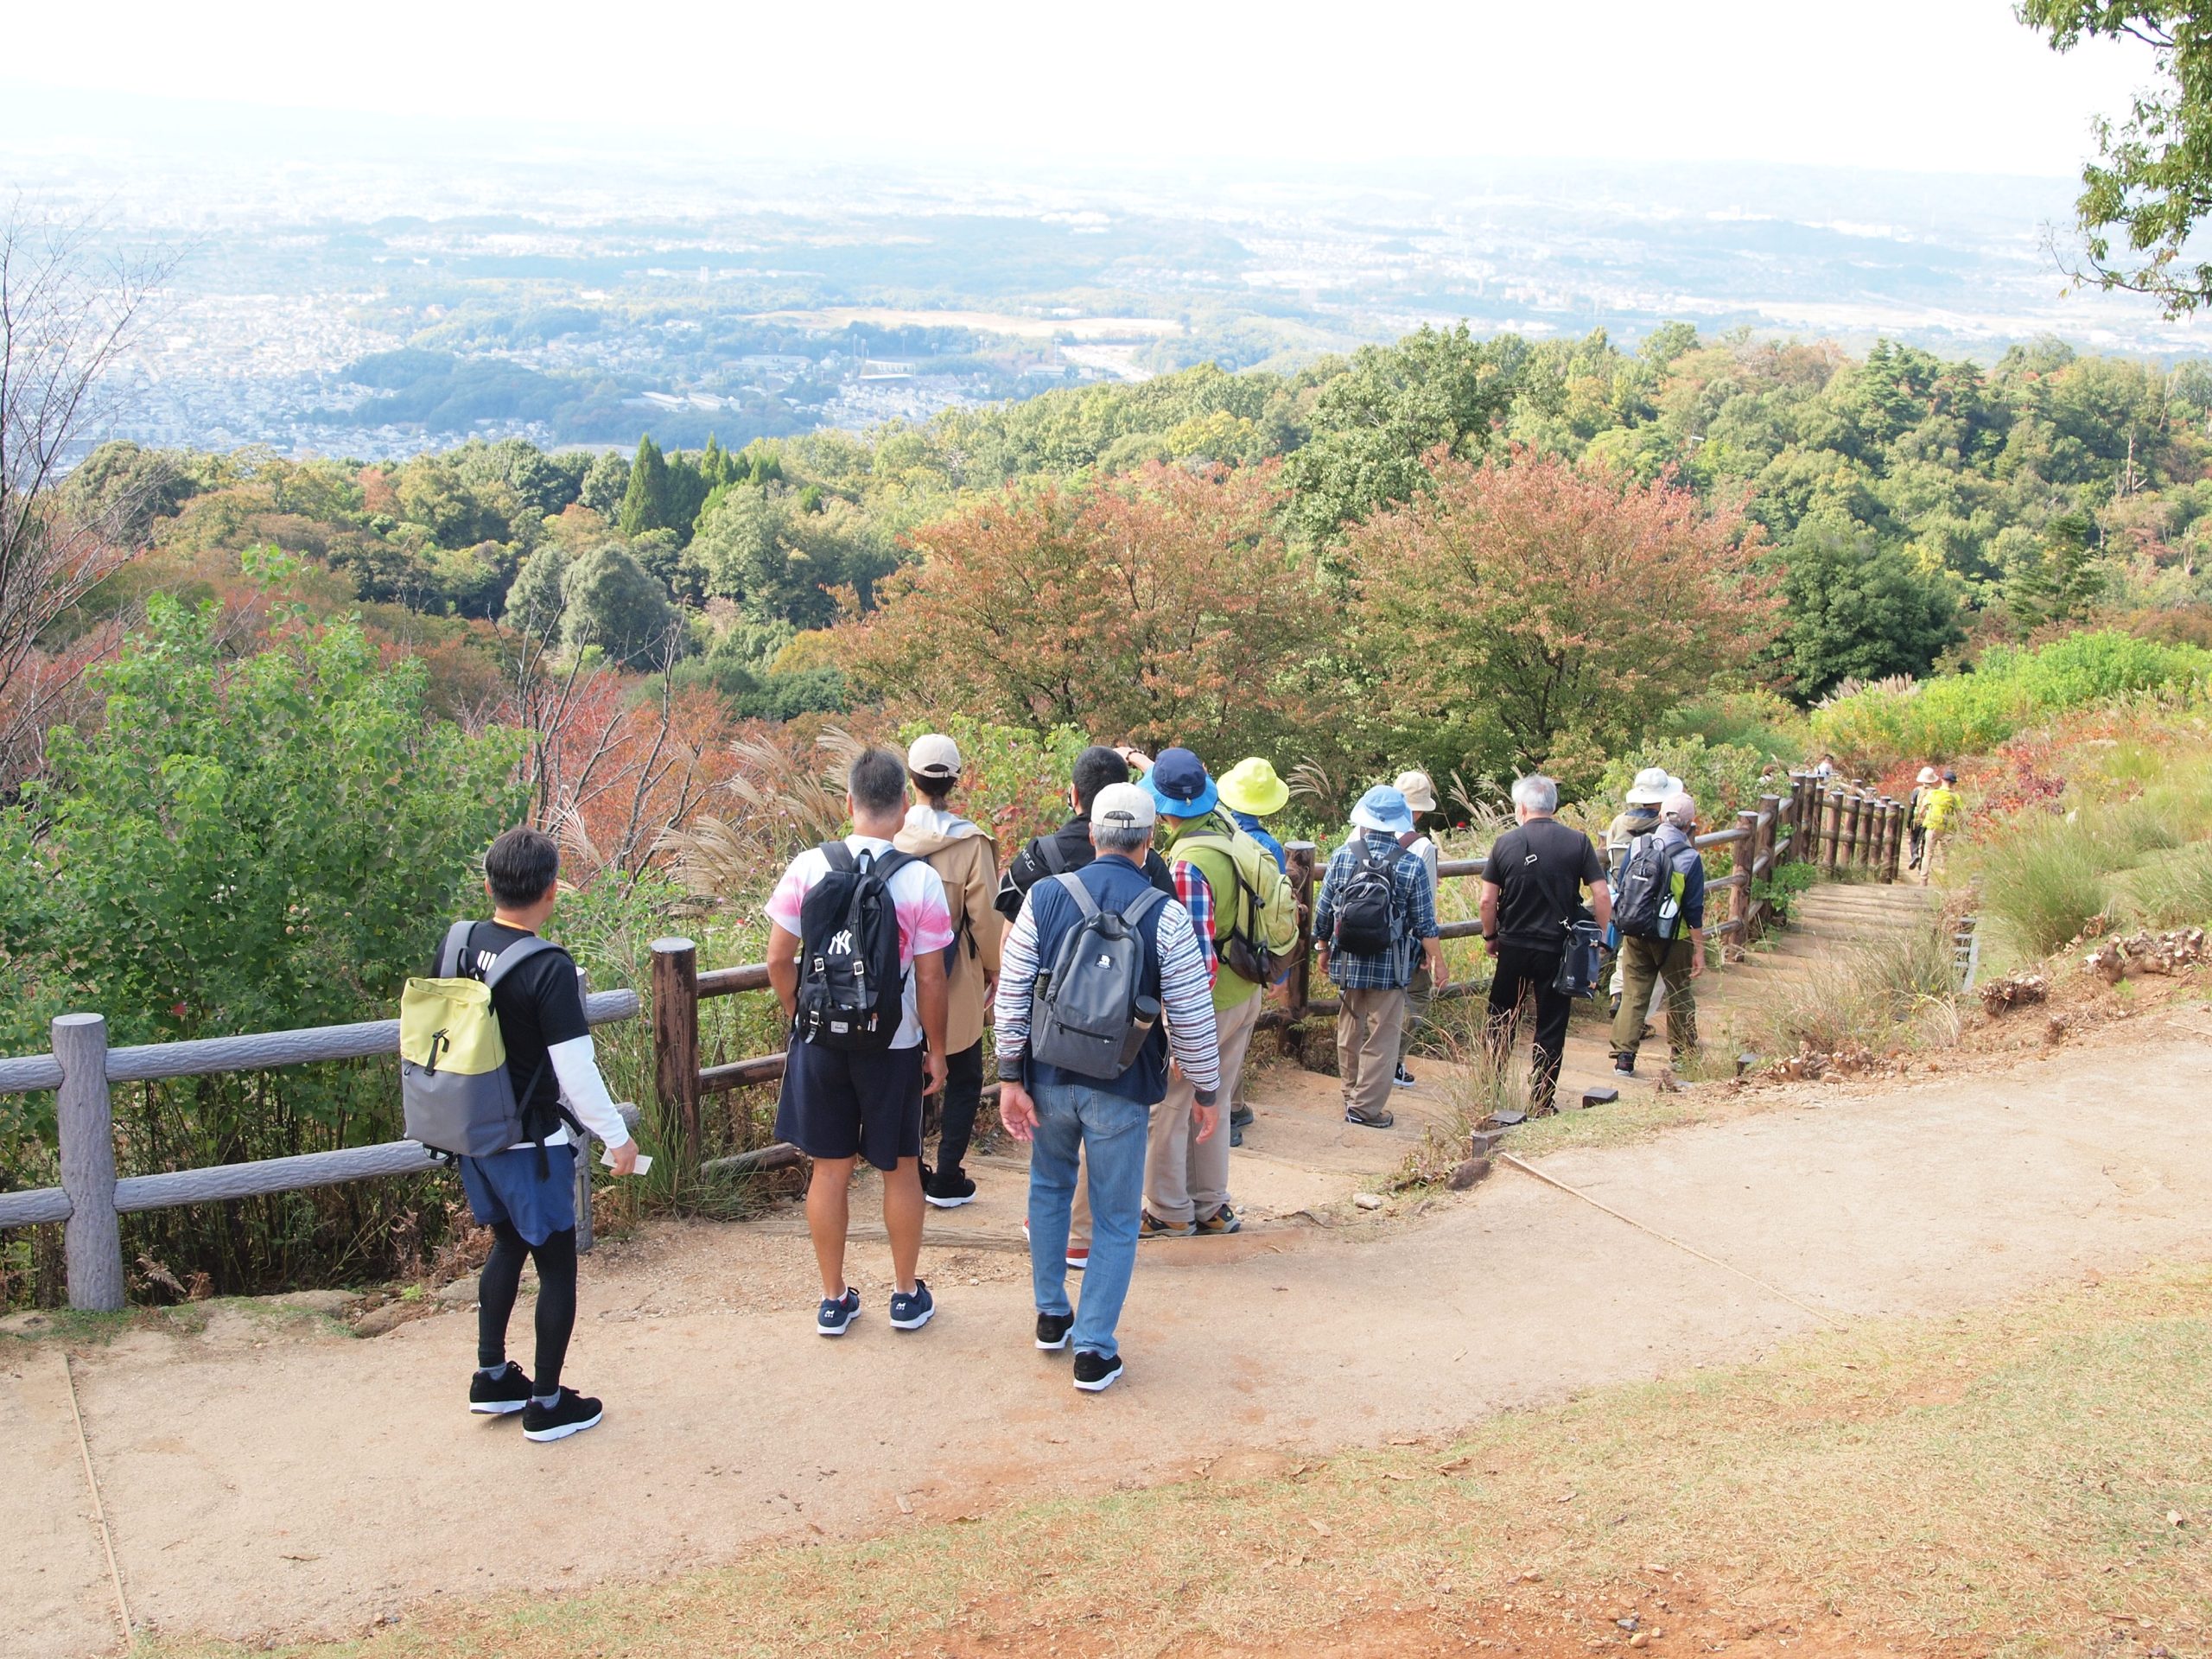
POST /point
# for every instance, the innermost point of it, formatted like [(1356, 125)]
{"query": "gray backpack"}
[(455, 1093), (1091, 1015)]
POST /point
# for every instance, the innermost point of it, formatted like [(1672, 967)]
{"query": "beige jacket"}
[(964, 860)]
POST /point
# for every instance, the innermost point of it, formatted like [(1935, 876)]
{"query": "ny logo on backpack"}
[(851, 984)]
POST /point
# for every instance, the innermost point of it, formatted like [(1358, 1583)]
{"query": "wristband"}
[(1206, 1097), (1010, 1070)]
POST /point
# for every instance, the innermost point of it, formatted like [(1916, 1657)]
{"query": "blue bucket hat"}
[(1178, 784), (1382, 809)]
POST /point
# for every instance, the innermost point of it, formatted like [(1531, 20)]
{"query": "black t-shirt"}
[(539, 1004), (1072, 846), (1540, 869)]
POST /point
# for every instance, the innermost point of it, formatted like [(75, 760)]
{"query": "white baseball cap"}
[(934, 755), (1124, 804)]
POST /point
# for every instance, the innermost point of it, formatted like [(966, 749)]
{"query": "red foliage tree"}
[(1523, 611), (1162, 607)]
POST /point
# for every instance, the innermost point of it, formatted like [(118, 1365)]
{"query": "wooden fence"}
[(91, 1200), (1831, 823)]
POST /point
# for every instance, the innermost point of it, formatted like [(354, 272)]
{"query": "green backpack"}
[(1265, 924)]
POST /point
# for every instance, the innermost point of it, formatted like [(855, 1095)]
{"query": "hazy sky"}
[(1949, 85)]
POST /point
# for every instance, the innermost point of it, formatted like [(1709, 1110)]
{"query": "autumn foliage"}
[(1523, 610), (1162, 607)]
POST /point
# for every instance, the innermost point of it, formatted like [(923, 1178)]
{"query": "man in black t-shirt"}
[(1532, 888), (527, 1194), (1068, 847)]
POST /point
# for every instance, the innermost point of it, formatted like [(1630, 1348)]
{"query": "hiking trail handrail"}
[(1809, 824), (90, 1199)]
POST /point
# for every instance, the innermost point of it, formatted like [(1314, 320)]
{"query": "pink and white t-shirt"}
[(917, 896)]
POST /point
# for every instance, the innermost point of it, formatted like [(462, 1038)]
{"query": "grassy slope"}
[(2007, 1477)]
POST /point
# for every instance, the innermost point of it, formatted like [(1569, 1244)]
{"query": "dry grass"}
[(1896, 991), (2006, 1477)]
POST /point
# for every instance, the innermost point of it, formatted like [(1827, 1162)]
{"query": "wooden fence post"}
[(93, 1237), (675, 1042), (1298, 861), (1804, 819), (1831, 823), (1766, 853), (1878, 855), (1854, 812), (1745, 854), (1898, 827)]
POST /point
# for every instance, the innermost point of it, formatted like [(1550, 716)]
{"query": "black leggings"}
[(556, 1301)]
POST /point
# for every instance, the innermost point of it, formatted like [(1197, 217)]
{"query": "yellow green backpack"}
[(1261, 919), (454, 1092)]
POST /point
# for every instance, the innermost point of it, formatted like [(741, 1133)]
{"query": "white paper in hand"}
[(645, 1160)]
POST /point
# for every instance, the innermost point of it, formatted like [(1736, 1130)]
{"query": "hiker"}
[(1939, 816), (1660, 911), (1915, 835), (1377, 908), (1245, 918), (967, 863), (1532, 888), (1825, 768), (1639, 817), (526, 1192), (1094, 1109), (1069, 848), (856, 938), (1251, 791), (1421, 796)]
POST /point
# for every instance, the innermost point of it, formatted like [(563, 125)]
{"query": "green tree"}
[(245, 844), (2153, 180), (645, 502), (1375, 422), (606, 483), (2053, 577), (1859, 608), (615, 603)]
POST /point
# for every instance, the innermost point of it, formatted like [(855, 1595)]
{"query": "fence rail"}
[(90, 1199), (1831, 824)]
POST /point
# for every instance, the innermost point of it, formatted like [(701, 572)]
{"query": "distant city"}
[(379, 308)]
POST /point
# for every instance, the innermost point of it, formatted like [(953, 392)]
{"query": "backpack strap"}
[(1142, 906), (840, 858), (449, 953), (513, 957), (1084, 902), (1046, 851)]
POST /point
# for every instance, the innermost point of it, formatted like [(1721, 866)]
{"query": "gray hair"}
[(1119, 837), (1536, 793), (1679, 809)]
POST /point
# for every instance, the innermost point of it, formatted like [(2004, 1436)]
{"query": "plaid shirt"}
[(1196, 895), (1415, 908)]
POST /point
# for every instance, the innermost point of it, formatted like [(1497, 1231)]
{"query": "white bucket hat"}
[(1652, 786)]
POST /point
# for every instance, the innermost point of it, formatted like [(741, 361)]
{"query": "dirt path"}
[(267, 1476)]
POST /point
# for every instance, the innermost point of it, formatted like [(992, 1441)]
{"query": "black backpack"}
[(1647, 882), (1041, 858), (1091, 1015), (851, 987), (1367, 904)]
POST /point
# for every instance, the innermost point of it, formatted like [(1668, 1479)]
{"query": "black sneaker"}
[(569, 1413), (1235, 1135), (1052, 1331), (1624, 1065), (1365, 1119), (1095, 1373), (910, 1310), (501, 1395), (836, 1312), (1240, 1117), (1404, 1078), (949, 1192)]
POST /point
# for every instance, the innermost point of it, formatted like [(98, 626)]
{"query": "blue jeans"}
[(1110, 1132)]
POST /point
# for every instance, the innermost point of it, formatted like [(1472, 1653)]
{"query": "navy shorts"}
[(841, 1103), (507, 1186)]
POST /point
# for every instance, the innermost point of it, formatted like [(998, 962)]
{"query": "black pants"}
[(556, 1301), (963, 1094), (1524, 979)]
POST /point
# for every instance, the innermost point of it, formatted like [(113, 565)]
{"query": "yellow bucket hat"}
[(1252, 786)]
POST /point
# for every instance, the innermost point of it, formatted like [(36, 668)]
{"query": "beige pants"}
[(1186, 1179), (1367, 1048)]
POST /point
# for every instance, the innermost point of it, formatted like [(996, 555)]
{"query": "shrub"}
[(2043, 883)]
